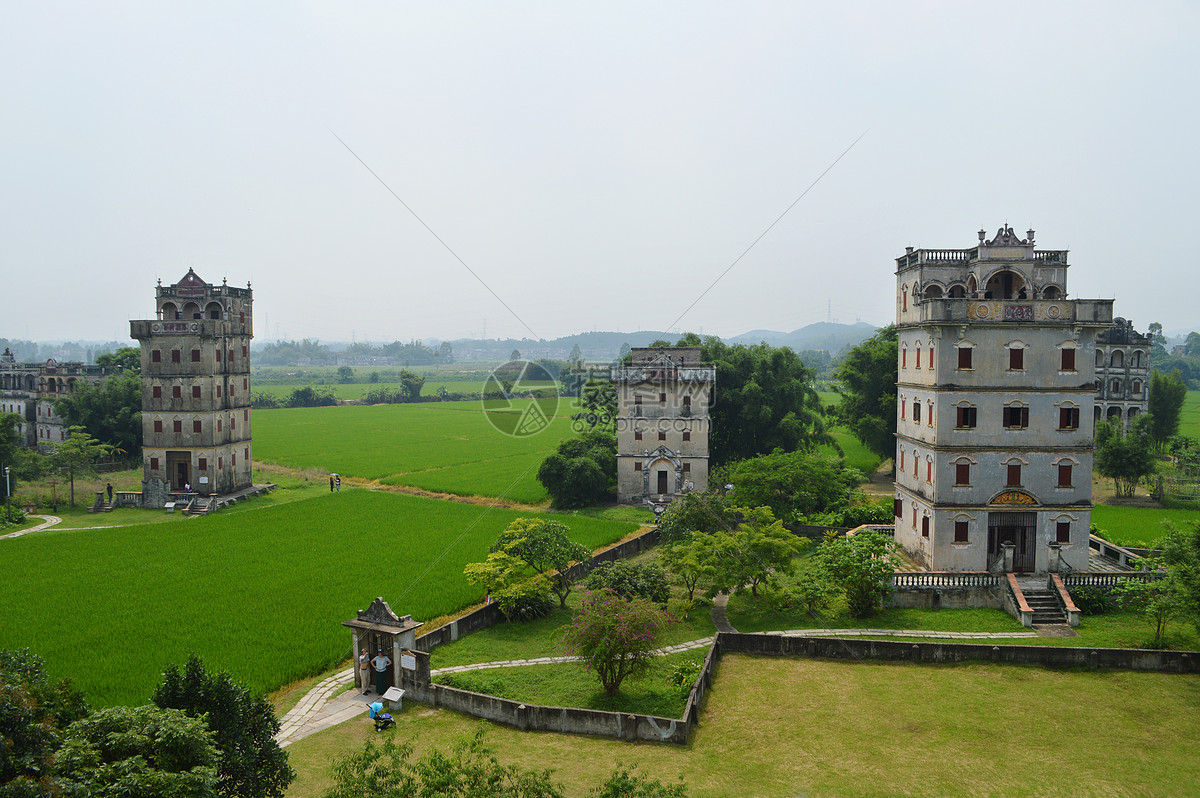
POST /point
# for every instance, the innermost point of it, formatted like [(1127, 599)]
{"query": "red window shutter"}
[(1014, 475), (1064, 475), (195, 355), (153, 463), (196, 427), (195, 391), (155, 356), (176, 392), (960, 532), (929, 471), (177, 426), (898, 507), (202, 463), (1068, 359), (925, 527), (1063, 532), (157, 392), (964, 357), (1016, 359), (174, 355), (962, 474), (157, 425), (918, 357)]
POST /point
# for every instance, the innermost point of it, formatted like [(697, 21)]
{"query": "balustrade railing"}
[(1108, 579), (944, 580)]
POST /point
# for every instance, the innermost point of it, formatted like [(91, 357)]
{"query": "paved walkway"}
[(47, 521), (902, 633), (719, 617)]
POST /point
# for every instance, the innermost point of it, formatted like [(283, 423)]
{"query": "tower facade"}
[(1122, 373), (995, 394), (196, 420), (663, 400)]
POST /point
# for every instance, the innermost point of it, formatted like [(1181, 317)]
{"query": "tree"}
[(143, 751), (759, 546), (34, 711), (514, 355), (251, 763), (615, 637), (628, 783), (1167, 393), (410, 385), (792, 484), (545, 547), (582, 471), (522, 596), (766, 399), (10, 444), (709, 511), (1177, 593), (127, 358), (77, 455), (345, 374), (1125, 458), (110, 411), (694, 561), (861, 565), (631, 580), (866, 386)]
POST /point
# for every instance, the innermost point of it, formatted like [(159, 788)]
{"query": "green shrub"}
[(631, 580), (1093, 600)]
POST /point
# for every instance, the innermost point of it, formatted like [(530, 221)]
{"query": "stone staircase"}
[(1046, 609)]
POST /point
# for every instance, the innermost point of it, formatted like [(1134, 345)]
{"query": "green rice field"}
[(1138, 526), (261, 592), (450, 447)]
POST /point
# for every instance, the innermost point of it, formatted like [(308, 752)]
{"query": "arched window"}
[(1118, 359), (933, 292), (169, 311), (213, 310), (1051, 292), (957, 292), (1137, 360), (1137, 387), (1099, 358), (1115, 388), (1005, 284)]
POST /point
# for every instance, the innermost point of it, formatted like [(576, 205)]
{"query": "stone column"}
[(1008, 549)]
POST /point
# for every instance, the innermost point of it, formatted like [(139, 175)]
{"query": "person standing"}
[(364, 671), (331, 483), (381, 663), (337, 480), (108, 487)]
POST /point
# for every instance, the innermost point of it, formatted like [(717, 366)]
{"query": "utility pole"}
[(7, 497)]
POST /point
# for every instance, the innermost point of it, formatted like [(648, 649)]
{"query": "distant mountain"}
[(829, 336)]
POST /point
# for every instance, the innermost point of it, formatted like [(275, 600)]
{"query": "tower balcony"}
[(1011, 311), (142, 329)]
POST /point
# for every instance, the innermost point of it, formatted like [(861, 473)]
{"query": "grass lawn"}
[(260, 591), (570, 684), (1138, 526), (789, 727), (541, 638)]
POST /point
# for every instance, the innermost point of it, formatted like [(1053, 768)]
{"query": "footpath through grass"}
[(788, 727), (260, 592)]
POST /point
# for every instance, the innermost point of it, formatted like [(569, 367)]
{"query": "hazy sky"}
[(596, 165)]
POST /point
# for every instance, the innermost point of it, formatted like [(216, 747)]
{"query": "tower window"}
[(898, 507), (195, 355), (1064, 475), (1016, 417), (965, 356), (1068, 418), (1014, 475), (157, 425), (687, 436), (176, 392), (929, 471), (155, 356), (174, 355), (637, 466), (662, 398), (202, 463), (177, 426), (917, 412), (637, 434), (662, 436), (925, 526), (960, 532), (153, 463), (1016, 359), (1068, 359), (962, 473), (195, 391), (1062, 532), (687, 468), (903, 358), (196, 426), (156, 392), (918, 357)]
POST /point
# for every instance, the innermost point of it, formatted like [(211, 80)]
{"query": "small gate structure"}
[(379, 630)]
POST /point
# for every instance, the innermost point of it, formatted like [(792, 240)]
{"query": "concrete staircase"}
[(1046, 609)]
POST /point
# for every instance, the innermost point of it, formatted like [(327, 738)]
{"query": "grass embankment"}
[(449, 447), (787, 727), (258, 591), (1111, 630)]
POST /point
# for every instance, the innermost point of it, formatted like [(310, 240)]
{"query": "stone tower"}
[(663, 401), (196, 389), (995, 390)]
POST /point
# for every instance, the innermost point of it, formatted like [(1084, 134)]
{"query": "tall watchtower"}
[(196, 389), (995, 390), (663, 401)]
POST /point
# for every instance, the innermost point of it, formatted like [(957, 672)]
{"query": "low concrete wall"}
[(564, 720), (936, 652), (946, 598)]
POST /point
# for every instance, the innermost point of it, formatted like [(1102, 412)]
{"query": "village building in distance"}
[(196, 390), (663, 400), (30, 389), (995, 395), (1122, 373)]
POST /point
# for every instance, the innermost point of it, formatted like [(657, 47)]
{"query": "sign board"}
[(408, 662), (203, 480)]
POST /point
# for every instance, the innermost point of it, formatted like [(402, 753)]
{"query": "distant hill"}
[(829, 336)]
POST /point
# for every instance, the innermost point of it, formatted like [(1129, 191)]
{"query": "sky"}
[(395, 170)]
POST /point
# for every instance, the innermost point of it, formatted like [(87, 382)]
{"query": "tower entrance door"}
[(1019, 529), (179, 469)]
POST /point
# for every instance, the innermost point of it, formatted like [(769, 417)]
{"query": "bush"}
[(631, 580), (529, 607), (1093, 600)]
